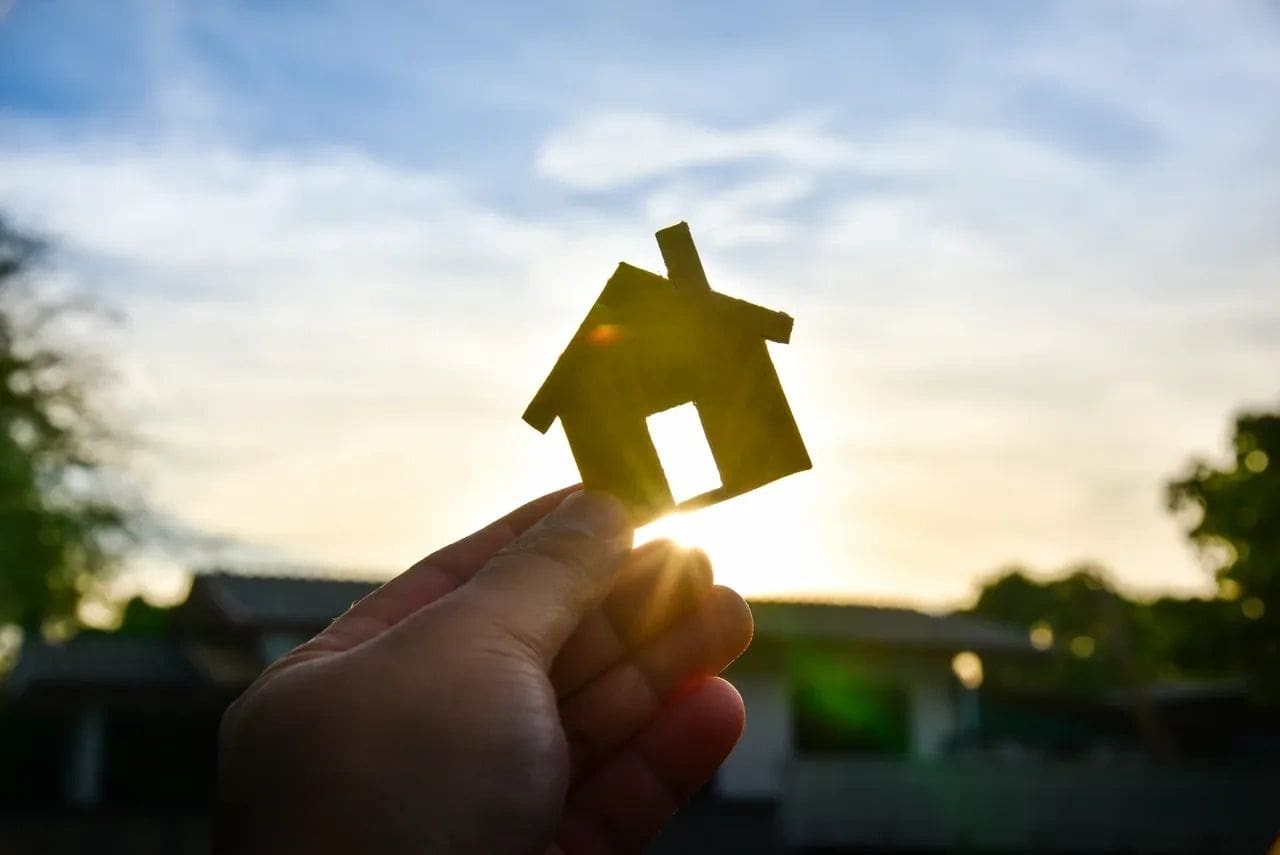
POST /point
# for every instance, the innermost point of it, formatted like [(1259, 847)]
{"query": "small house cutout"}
[(651, 343)]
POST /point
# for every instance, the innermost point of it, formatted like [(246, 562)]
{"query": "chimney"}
[(684, 268)]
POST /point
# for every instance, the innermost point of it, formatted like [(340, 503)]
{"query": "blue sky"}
[(1031, 250)]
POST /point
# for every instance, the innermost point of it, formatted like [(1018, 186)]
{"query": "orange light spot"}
[(603, 335)]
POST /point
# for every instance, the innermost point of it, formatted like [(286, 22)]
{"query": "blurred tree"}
[(1098, 640), (138, 619), (1085, 626), (1232, 516), (59, 527)]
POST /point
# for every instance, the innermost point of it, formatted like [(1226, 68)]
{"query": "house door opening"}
[(683, 452)]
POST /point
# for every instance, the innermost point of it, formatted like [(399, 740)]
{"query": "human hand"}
[(538, 686)]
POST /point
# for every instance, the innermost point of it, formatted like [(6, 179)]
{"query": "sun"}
[(759, 544)]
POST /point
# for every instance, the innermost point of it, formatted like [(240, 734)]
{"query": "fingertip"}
[(734, 622), (709, 714), (667, 566), (656, 587), (721, 700), (684, 567), (654, 550), (700, 567)]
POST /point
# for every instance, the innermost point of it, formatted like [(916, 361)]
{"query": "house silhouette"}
[(651, 343)]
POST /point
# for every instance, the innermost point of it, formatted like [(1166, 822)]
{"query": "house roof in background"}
[(884, 626), (278, 602), (103, 662), (304, 605), (301, 603)]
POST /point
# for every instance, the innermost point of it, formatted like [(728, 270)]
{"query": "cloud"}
[(614, 150), (316, 334), (330, 352), (753, 211), (1029, 278)]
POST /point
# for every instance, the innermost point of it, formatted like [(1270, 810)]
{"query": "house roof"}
[(305, 605), (308, 604), (264, 602), (103, 662), (883, 626)]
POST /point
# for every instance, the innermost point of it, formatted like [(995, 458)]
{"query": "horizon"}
[(1030, 253)]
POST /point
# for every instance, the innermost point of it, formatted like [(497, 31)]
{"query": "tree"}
[(60, 526), (1103, 641), (1105, 644), (1088, 624), (1232, 515)]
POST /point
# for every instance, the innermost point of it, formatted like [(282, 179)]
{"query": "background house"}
[(860, 737), (851, 679)]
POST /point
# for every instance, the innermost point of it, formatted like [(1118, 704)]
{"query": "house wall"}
[(933, 708), (758, 766), (755, 768)]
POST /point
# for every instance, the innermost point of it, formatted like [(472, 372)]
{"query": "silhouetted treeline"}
[(1098, 640), (1101, 640)]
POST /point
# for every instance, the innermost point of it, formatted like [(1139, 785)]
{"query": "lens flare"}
[(603, 335)]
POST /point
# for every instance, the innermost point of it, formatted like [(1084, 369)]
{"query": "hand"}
[(536, 687)]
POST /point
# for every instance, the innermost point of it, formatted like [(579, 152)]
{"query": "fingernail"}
[(597, 514)]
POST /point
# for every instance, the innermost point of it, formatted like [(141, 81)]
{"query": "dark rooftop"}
[(104, 662), (278, 602), (883, 626), (300, 606)]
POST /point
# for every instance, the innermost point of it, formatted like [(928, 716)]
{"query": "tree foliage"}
[(1233, 518), (1104, 641), (1077, 614), (59, 527)]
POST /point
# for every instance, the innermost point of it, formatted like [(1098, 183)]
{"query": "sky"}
[(1031, 251)]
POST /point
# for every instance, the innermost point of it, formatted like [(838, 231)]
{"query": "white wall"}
[(933, 708), (754, 769)]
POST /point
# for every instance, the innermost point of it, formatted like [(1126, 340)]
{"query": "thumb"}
[(540, 586)]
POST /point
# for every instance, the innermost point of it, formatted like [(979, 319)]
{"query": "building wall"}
[(758, 766), (933, 707), (755, 768)]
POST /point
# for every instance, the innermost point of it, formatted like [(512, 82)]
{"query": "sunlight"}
[(683, 452), (766, 542)]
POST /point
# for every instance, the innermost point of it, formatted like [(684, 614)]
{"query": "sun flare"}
[(753, 548), (762, 543)]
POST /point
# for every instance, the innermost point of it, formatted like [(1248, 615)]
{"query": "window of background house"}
[(843, 711)]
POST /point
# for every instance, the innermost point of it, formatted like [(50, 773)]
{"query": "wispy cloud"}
[(615, 150)]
